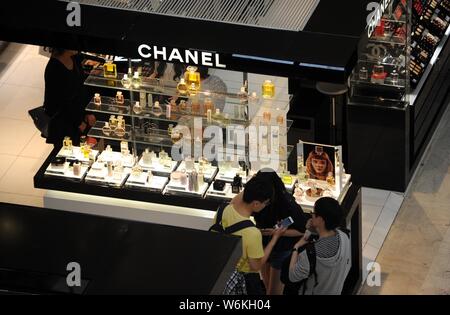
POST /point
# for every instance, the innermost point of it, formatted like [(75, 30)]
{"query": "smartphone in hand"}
[(285, 223)]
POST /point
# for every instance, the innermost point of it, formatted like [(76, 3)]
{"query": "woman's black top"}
[(283, 207), (64, 101)]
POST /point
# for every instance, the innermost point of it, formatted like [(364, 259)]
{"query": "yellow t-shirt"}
[(252, 246)]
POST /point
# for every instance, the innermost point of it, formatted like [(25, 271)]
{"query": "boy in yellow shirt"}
[(256, 196)]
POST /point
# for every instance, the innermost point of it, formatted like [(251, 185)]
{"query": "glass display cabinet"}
[(381, 76), (174, 137)]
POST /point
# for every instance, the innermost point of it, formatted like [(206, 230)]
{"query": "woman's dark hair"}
[(55, 50), (204, 72), (330, 211), (257, 189), (271, 177), (177, 68)]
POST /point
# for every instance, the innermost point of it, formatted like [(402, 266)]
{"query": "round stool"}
[(333, 91)]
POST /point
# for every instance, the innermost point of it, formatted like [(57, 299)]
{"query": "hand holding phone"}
[(285, 223)]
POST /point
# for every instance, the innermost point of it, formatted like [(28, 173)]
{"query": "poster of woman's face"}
[(320, 161)]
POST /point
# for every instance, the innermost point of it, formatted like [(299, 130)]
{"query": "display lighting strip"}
[(291, 15)]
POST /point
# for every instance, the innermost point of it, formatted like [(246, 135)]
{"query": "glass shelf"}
[(375, 62), (169, 88), (108, 106), (388, 40), (368, 83)]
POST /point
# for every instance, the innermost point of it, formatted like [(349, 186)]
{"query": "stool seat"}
[(331, 89)]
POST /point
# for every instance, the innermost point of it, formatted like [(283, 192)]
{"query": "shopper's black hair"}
[(330, 211), (58, 51), (272, 178), (204, 72), (257, 189)]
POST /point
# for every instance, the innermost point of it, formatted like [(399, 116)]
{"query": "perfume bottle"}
[(217, 116), (192, 79), (209, 116), (363, 74), (183, 106), (170, 130), (119, 98), (189, 162), (182, 87), (267, 117), (157, 110), (110, 168), (126, 81), (147, 157), (268, 89), (106, 129), (97, 99), (194, 175), (136, 171), (137, 109), (236, 186), (110, 70), (190, 181), (168, 110), (201, 178), (287, 179), (77, 168), (113, 122), (330, 179), (67, 144), (136, 81), (120, 130), (208, 105), (195, 106), (193, 89)]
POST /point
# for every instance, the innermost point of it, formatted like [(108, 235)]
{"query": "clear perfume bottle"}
[(182, 87), (119, 98), (149, 177), (77, 168), (147, 158), (107, 129), (268, 89), (137, 109), (157, 110), (193, 89), (136, 81), (97, 99), (168, 110), (110, 168), (330, 179), (120, 130), (126, 81)]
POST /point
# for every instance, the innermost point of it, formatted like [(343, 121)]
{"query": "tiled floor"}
[(415, 258), (22, 151)]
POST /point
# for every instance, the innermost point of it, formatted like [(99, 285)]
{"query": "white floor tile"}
[(386, 219), (9, 61), (377, 237), (15, 135), (5, 163), (30, 72), (25, 200), (394, 202), (16, 105), (374, 196), (37, 148), (370, 252), (370, 213), (19, 178)]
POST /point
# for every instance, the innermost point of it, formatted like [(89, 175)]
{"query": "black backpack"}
[(217, 227), (293, 288)]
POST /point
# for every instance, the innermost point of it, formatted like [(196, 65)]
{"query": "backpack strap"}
[(312, 258), (239, 226), (217, 227)]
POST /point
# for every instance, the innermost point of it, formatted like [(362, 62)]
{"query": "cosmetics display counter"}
[(399, 90)]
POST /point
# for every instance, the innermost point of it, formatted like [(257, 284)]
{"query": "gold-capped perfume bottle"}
[(110, 70), (137, 108), (191, 77), (137, 80), (126, 81), (268, 89), (119, 98), (97, 99), (106, 129), (67, 144), (182, 87)]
